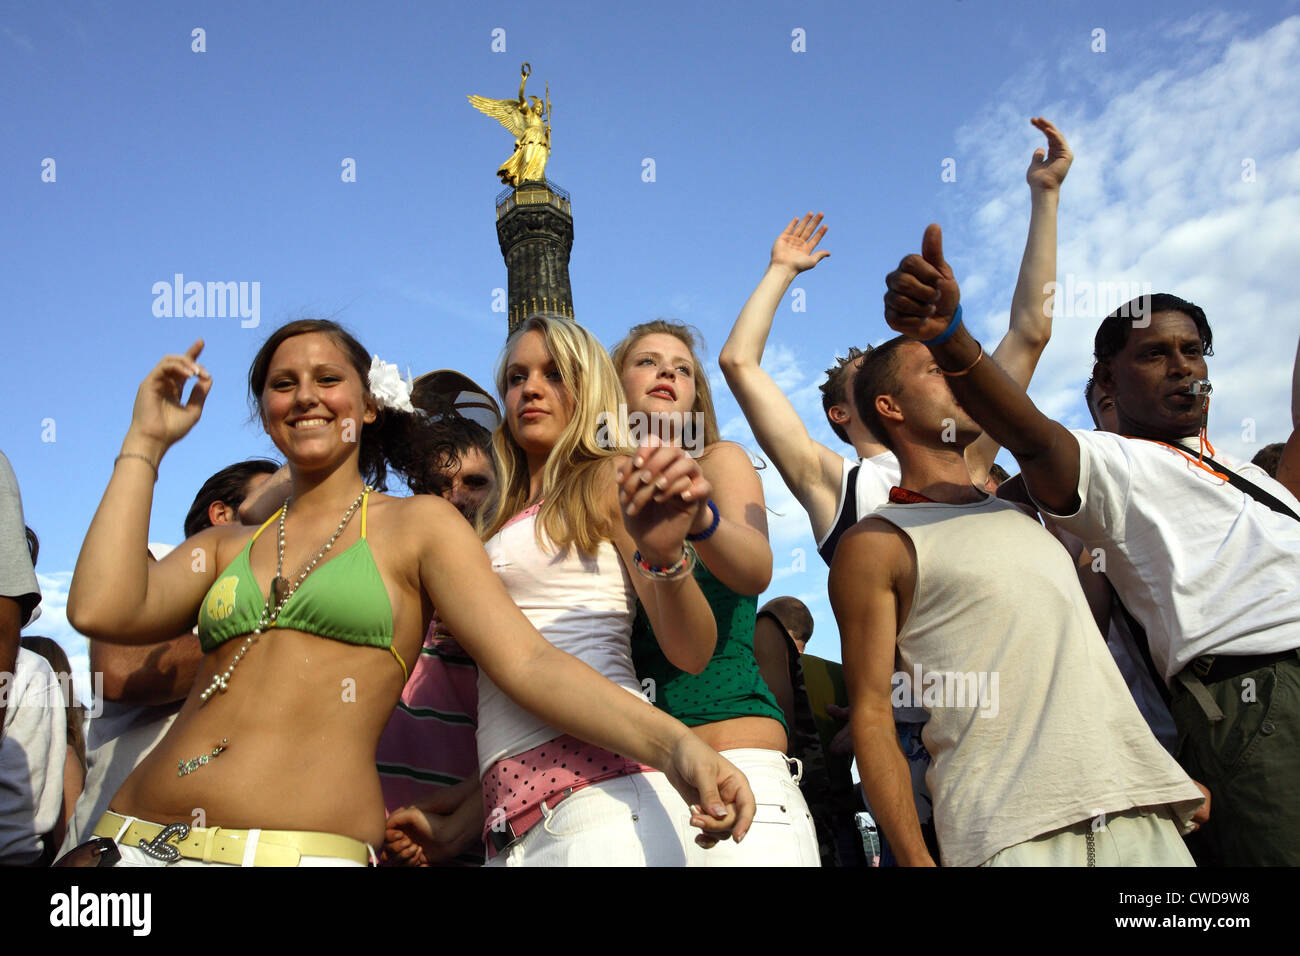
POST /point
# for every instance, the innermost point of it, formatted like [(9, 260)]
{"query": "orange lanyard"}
[(1182, 451)]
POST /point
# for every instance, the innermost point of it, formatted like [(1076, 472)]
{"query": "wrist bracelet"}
[(670, 573), (705, 535), (966, 370), (143, 458), (946, 334)]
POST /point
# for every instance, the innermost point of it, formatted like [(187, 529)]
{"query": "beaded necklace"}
[(281, 591)]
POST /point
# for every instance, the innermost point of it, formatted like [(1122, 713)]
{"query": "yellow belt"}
[(220, 845)]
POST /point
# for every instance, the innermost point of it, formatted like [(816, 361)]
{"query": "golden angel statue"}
[(531, 125)]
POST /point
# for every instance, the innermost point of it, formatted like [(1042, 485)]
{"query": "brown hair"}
[(878, 376), (834, 391), (793, 616), (415, 446)]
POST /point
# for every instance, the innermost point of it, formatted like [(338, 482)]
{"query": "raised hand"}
[(1048, 167), (159, 417), (661, 490), (923, 295), (794, 248)]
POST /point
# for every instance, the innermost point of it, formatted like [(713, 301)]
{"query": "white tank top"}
[(1031, 725), (582, 605)]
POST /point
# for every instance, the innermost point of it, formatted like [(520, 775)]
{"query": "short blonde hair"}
[(575, 483)]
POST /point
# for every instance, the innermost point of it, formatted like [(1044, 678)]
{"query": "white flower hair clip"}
[(388, 387)]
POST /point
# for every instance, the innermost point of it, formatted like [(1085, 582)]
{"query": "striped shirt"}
[(429, 741)]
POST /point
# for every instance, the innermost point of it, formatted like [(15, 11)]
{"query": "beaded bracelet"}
[(946, 334), (705, 535), (143, 458), (670, 573)]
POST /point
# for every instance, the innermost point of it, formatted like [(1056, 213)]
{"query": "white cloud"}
[(1158, 193)]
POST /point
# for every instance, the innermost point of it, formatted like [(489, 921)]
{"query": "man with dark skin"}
[(1206, 563)]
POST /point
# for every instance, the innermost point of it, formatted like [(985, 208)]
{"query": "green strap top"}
[(343, 599), (731, 685)]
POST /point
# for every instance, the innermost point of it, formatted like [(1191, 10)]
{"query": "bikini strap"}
[(365, 498), (406, 675), (264, 524)]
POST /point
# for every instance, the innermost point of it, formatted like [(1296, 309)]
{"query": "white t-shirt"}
[(1204, 567), (33, 751)]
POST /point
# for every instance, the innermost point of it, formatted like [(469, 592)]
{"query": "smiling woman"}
[(279, 733)]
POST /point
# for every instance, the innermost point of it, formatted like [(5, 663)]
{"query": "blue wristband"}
[(705, 535), (946, 334)]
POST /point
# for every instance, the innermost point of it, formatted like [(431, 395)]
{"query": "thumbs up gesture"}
[(923, 294)]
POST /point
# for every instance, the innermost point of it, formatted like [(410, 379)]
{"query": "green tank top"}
[(730, 686)]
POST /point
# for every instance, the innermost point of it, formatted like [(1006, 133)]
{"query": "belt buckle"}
[(501, 839), (1203, 665), (160, 847)]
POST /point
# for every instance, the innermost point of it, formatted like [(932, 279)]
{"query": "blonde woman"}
[(307, 628), (582, 531), (727, 703)]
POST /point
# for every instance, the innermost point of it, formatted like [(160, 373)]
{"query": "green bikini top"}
[(344, 599)]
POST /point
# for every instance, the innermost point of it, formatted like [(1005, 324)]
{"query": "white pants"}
[(640, 820), (1143, 836)]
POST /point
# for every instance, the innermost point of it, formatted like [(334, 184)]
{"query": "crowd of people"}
[(551, 652)]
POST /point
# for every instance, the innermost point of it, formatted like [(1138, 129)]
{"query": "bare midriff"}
[(761, 733), (302, 718)]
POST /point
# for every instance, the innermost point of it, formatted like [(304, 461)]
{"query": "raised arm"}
[(810, 470), (921, 301), (680, 615), (862, 588), (738, 552), (557, 687), (1288, 467), (1031, 304), (117, 593)]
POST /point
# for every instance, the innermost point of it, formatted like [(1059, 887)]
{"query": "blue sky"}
[(225, 165)]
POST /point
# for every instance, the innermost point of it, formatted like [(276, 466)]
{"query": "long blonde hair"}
[(686, 335), (575, 482)]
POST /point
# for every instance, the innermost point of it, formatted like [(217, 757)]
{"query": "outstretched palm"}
[(796, 246), (1047, 169)]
